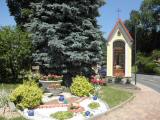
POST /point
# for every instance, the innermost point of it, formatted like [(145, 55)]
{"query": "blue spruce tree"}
[(65, 35)]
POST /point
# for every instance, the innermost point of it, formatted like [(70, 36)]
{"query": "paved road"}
[(151, 81)]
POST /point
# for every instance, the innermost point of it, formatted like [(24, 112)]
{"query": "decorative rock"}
[(30, 112), (87, 113), (61, 98), (94, 97)]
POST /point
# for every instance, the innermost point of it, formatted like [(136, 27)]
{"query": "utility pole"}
[(135, 47)]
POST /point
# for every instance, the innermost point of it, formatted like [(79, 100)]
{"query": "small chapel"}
[(119, 52)]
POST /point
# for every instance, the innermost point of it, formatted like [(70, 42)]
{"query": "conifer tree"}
[(65, 34)]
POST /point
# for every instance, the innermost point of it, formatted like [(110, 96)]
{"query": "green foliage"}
[(155, 54), (147, 21), (63, 115), (26, 12), (157, 70), (29, 75), (118, 79), (94, 105), (16, 118), (4, 98), (148, 64), (81, 86), (128, 81), (2, 118), (27, 95), (65, 34), (149, 67), (15, 52)]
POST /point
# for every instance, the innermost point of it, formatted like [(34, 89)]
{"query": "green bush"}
[(118, 79), (81, 86), (2, 118), (29, 75), (27, 95), (147, 64), (157, 70), (149, 67), (63, 115), (94, 105)]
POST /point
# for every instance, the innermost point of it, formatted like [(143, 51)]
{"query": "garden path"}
[(145, 106)]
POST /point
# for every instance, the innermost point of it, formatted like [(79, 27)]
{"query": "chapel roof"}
[(118, 24)]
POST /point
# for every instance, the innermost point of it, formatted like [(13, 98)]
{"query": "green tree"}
[(21, 10), (148, 35), (65, 34), (15, 52)]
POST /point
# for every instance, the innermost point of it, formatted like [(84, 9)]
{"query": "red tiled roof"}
[(126, 30)]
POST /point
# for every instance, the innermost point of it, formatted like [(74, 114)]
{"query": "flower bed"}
[(44, 112)]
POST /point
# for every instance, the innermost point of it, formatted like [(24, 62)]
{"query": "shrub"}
[(81, 86), (94, 105), (63, 115), (2, 118), (149, 67), (128, 81), (118, 79), (32, 76), (157, 70), (27, 95)]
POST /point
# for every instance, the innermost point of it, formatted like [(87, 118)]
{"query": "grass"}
[(114, 96), (8, 87), (63, 115), (94, 105), (17, 118)]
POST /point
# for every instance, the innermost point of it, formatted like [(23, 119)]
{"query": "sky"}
[(107, 19)]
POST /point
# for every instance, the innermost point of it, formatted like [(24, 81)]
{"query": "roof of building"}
[(120, 23)]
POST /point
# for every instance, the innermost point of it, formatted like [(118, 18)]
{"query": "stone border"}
[(114, 108)]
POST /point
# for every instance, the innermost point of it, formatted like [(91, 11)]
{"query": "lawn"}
[(114, 96), (17, 118), (8, 87)]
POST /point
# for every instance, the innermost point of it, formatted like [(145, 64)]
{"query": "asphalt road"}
[(151, 81)]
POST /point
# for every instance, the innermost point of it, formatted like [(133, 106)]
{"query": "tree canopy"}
[(65, 34), (147, 22), (15, 51)]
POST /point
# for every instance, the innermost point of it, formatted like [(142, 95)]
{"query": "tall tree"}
[(65, 34), (15, 51), (148, 35)]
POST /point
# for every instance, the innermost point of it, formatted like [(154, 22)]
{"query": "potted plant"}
[(52, 83)]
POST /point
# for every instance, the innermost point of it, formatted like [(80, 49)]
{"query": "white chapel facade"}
[(119, 52)]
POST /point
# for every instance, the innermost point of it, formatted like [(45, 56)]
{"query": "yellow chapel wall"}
[(128, 56)]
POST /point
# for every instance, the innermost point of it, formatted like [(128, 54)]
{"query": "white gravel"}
[(44, 113)]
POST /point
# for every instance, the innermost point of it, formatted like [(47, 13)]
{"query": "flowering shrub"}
[(53, 77), (96, 81)]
